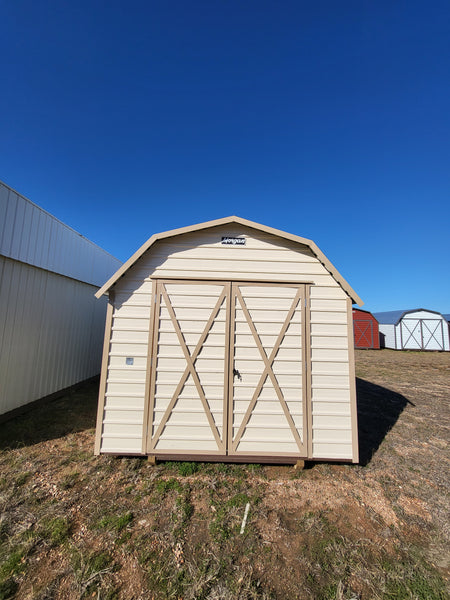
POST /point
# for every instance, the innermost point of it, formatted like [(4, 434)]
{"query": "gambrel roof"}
[(226, 221), (393, 317)]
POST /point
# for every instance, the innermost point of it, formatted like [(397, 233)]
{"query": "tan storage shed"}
[(229, 341)]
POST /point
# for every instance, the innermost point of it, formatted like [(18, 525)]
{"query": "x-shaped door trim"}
[(362, 332), (268, 371), (417, 325), (190, 368), (432, 336)]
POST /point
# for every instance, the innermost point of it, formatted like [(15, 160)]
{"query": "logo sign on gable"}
[(233, 241)]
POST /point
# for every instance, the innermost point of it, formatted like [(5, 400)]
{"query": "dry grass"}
[(76, 526)]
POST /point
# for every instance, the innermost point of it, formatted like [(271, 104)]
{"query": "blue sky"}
[(326, 119)]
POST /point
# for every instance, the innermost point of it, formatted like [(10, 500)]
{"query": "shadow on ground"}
[(378, 410), (72, 412)]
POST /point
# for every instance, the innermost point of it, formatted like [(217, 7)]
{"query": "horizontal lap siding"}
[(264, 258), (125, 384), (330, 375)]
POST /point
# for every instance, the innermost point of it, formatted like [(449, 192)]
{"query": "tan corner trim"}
[(151, 328), (103, 375), (226, 221), (229, 400), (352, 382), (307, 366), (152, 358), (227, 410)]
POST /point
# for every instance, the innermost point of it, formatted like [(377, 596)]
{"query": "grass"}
[(77, 526), (56, 530)]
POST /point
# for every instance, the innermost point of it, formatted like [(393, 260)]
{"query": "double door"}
[(422, 334), (228, 370)]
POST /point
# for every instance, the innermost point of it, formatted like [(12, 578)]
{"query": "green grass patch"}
[(227, 518), (187, 468), (13, 563), (8, 588), (163, 486), (415, 579), (116, 523), (56, 530)]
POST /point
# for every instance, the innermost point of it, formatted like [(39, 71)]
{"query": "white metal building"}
[(229, 341), (416, 329), (51, 325)]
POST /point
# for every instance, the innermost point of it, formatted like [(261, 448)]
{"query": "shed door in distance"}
[(267, 376), (189, 378), (363, 333)]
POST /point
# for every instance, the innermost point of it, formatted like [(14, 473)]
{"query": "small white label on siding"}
[(233, 241)]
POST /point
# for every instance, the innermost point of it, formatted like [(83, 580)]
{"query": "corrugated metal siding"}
[(50, 333), (51, 325), (33, 236), (264, 257)]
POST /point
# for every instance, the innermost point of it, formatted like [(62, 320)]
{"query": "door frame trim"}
[(147, 446), (268, 370)]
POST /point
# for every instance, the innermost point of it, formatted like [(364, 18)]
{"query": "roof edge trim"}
[(225, 221)]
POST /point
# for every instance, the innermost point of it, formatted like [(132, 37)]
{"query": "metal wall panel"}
[(387, 335), (33, 236), (51, 331), (51, 325)]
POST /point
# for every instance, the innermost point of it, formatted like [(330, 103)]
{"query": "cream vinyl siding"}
[(125, 384), (264, 258)]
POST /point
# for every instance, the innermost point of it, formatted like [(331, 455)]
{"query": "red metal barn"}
[(365, 329)]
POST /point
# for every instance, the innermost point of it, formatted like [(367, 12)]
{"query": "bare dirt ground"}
[(77, 526)]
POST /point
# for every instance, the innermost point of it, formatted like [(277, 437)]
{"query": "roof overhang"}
[(227, 221)]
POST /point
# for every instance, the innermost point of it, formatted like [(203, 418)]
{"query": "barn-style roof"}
[(393, 317), (226, 221)]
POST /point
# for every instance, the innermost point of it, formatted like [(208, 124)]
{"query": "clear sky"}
[(326, 119)]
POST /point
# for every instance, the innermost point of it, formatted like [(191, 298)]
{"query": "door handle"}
[(237, 374)]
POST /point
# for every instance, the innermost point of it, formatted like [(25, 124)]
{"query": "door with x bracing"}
[(228, 372), (363, 333)]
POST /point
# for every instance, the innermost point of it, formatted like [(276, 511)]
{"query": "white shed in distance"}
[(415, 329), (228, 341)]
